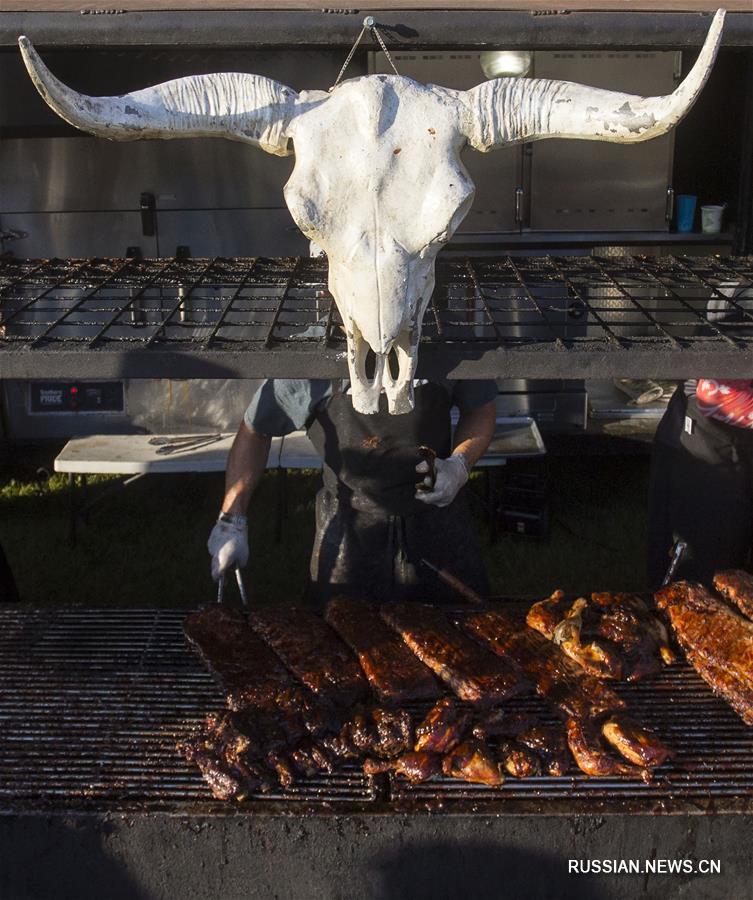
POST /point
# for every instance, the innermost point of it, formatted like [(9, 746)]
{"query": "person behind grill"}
[(701, 486), (373, 523)]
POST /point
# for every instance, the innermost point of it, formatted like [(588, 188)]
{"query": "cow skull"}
[(378, 181)]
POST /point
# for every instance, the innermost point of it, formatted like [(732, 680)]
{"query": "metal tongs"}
[(241, 588), (677, 552), (175, 444)]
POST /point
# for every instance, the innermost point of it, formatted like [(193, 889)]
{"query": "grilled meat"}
[(247, 670), (472, 673), (225, 782), (546, 615), (626, 620), (498, 723), (518, 760), (547, 742), (379, 732), (598, 658), (717, 641), (554, 676), (736, 586), (473, 761), (394, 673), (591, 753), (610, 635), (637, 744), (413, 765), (313, 652), (443, 728), (551, 746)]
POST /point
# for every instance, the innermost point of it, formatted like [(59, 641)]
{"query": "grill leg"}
[(72, 509)]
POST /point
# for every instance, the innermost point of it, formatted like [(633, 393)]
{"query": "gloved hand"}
[(228, 544), (451, 474)]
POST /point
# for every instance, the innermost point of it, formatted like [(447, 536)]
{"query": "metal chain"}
[(368, 23)]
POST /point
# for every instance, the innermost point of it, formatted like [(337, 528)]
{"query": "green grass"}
[(145, 545)]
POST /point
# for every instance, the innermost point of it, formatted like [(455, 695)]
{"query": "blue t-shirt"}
[(284, 405)]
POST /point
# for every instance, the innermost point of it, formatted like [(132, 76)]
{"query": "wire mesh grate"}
[(202, 304), (93, 702)]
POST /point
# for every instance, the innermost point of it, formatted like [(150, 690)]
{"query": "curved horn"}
[(513, 110), (233, 105)]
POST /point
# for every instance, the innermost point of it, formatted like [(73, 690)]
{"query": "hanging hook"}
[(369, 24)]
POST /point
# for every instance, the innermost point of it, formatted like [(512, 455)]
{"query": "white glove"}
[(228, 544), (451, 474)]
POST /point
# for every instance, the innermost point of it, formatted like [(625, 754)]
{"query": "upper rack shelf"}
[(513, 317)]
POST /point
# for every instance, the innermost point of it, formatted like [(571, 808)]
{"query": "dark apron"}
[(701, 492), (371, 532)]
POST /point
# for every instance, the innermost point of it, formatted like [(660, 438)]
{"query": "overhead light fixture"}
[(506, 63)]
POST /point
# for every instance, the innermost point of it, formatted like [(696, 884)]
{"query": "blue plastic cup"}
[(685, 205)]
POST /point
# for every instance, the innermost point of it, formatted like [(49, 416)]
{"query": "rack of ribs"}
[(313, 652), (394, 673), (554, 676), (717, 641), (471, 672), (736, 586), (247, 670)]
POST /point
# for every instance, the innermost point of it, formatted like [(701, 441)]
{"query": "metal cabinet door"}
[(588, 185)]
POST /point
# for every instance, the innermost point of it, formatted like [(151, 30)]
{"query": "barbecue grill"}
[(94, 799), (94, 702)]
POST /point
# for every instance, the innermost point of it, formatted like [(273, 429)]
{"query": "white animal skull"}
[(378, 181)]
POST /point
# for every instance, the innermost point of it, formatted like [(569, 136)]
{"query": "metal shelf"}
[(404, 28), (525, 317)]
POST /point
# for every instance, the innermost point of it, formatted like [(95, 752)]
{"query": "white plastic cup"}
[(711, 219)]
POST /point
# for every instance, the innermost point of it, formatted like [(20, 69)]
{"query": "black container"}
[(524, 506)]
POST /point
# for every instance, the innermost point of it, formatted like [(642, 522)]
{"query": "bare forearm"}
[(245, 467), (474, 432)]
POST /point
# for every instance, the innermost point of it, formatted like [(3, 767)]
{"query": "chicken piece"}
[(519, 761), (224, 782), (599, 658), (310, 758), (381, 732), (499, 723), (591, 754), (546, 615), (551, 746), (443, 728), (736, 586), (474, 762), (627, 621), (414, 766), (637, 744)]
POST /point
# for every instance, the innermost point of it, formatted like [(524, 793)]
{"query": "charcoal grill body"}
[(95, 801)]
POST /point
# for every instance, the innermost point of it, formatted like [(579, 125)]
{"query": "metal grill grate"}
[(184, 318), (92, 704), (93, 701), (710, 770)]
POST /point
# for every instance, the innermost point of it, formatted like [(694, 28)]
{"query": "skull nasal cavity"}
[(394, 363), (370, 363)]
